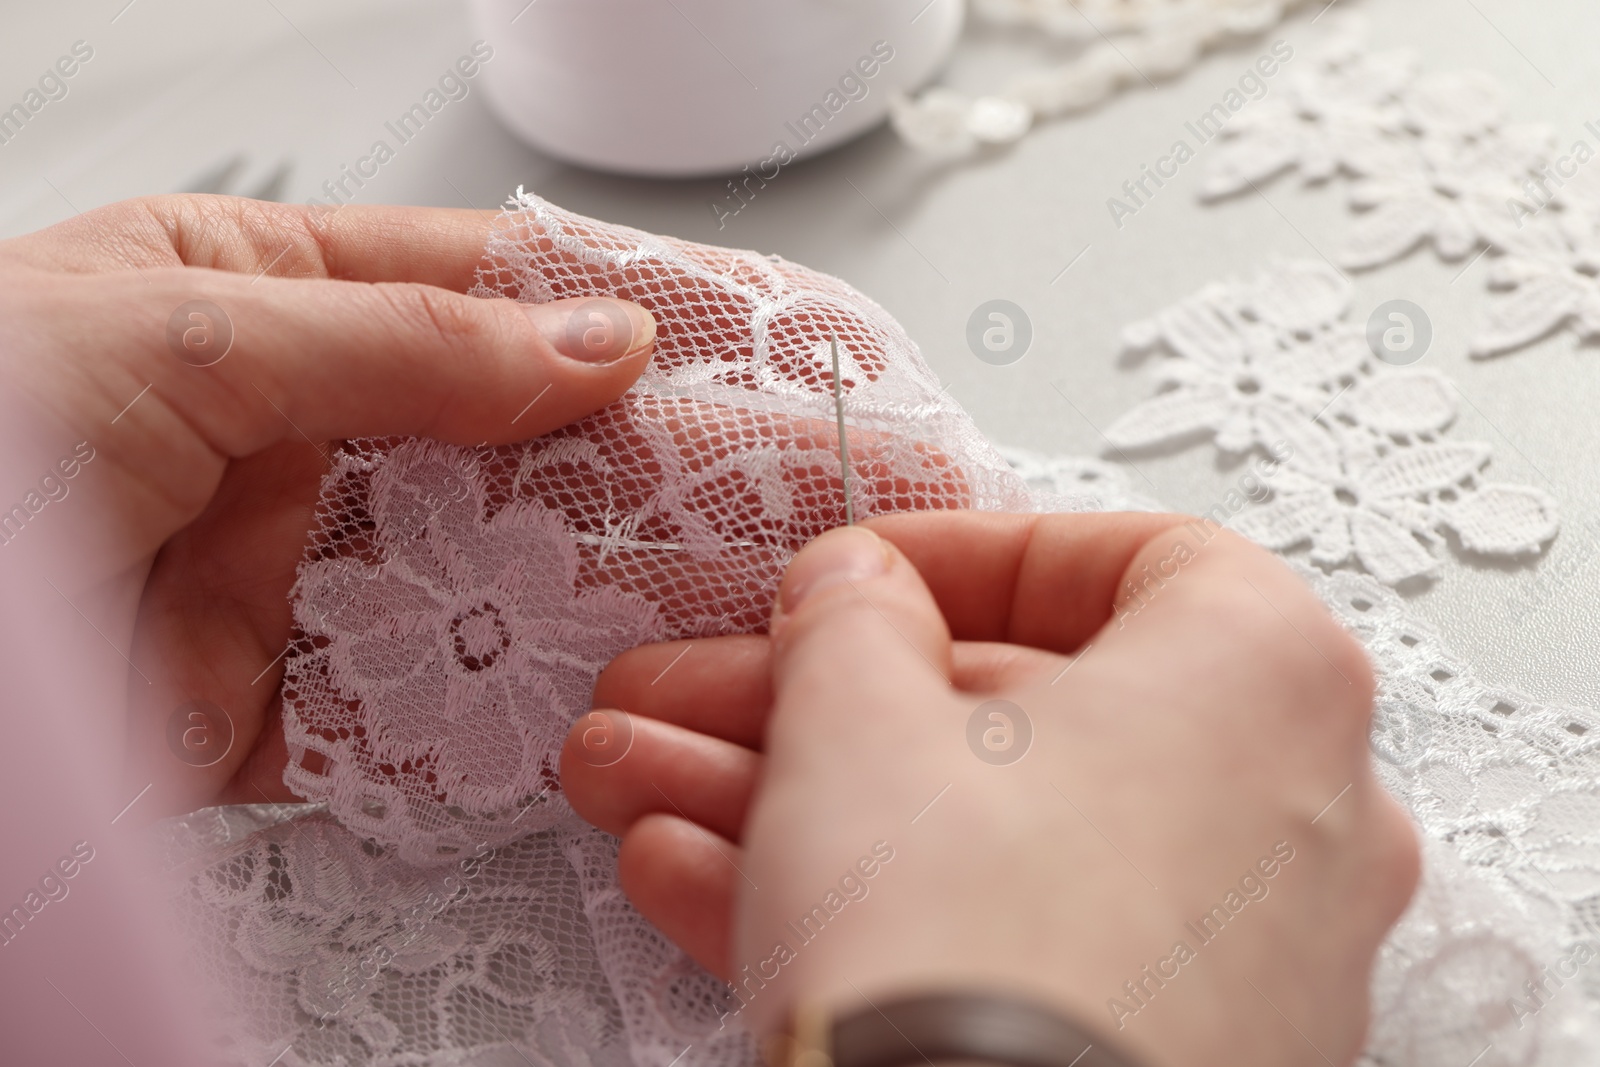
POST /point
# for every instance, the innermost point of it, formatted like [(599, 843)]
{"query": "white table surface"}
[(178, 85)]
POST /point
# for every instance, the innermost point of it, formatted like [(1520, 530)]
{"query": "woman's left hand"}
[(174, 369)]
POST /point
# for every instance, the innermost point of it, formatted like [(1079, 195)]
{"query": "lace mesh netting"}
[(439, 903), (459, 602)]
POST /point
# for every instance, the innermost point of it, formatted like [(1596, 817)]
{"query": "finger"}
[(210, 635), (1047, 581), (279, 359), (858, 642), (684, 881), (259, 780), (787, 313), (1057, 581), (1279, 632), (989, 667), (430, 246), (684, 762), (666, 769), (717, 686), (721, 686)]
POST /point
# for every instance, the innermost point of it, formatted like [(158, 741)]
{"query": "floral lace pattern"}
[(458, 603), (346, 954), (339, 952), (1271, 364), (1433, 160), (469, 629), (1494, 957), (1122, 43), (454, 610)]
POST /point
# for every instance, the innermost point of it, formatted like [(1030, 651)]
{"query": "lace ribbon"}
[(1118, 44)]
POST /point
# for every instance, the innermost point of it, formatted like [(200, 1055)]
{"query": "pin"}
[(844, 444)]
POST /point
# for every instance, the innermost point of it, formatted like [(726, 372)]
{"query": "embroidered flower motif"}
[(483, 652), (1271, 363), (1541, 297), (1433, 160), (1452, 186), (1385, 512), (1253, 363), (1550, 270), (1343, 113), (459, 603)]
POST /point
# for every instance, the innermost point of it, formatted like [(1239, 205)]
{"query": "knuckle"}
[(840, 611), (1397, 857), (441, 319), (620, 679), (235, 233), (1315, 665), (159, 206)]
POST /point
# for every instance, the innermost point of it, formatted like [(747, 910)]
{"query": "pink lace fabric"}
[(459, 602)]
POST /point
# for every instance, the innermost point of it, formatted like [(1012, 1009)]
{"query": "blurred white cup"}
[(675, 88)]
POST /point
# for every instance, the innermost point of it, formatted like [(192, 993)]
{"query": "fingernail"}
[(848, 554), (597, 329)]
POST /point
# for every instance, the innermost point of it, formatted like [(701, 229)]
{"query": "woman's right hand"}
[(1197, 776)]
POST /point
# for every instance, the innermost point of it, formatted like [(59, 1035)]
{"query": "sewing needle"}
[(844, 444)]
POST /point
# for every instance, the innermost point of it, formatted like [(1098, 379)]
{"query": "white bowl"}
[(676, 88)]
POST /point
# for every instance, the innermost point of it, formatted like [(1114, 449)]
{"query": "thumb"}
[(252, 362), (856, 633)]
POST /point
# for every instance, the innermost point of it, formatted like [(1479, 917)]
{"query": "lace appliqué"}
[(1122, 43), (1270, 364), (1433, 160)]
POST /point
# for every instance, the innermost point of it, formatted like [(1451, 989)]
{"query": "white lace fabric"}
[(1432, 159), (338, 951), (1506, 793), (1271, 364), (440, 904), (1120, 44)]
